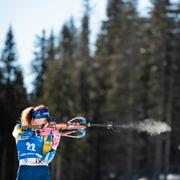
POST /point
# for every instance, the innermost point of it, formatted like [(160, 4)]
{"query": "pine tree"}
[(172, 95), (9, 58), (161, 78), (39, 65), (11, 72), (85, 61), (143, 106), (67, 41), (117, 50), (13, 99), (64, 71), (51, 50)]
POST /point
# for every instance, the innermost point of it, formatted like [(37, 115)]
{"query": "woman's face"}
[(39, 121)]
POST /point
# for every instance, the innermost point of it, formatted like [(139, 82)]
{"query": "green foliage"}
[(129, 78), (39, 65), (132, 75), (13, 92), (13, 98)]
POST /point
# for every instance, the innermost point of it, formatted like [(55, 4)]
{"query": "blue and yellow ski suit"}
[(34, 154)]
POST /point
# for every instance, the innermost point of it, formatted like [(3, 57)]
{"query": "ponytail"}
[(26, 116)]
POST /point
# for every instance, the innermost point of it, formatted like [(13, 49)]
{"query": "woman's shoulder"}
[(18, 125), (17, 130), (21, 133)]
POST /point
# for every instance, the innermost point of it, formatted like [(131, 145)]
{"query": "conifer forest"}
[(132, 74)]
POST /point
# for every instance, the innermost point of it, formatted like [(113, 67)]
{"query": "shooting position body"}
[(35, 151)]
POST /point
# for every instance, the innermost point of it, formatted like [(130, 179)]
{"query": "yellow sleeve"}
[(47, 146), (17, 130)]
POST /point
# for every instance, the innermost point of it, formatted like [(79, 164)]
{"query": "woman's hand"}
[(56, 139)]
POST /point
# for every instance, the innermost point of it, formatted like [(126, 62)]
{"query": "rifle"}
[(76, 127)]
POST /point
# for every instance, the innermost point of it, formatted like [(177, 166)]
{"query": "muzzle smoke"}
[(150, 126)]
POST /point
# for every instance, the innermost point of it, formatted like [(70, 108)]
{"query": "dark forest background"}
[(133, 74)]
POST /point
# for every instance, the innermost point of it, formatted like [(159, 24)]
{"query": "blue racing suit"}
[(33, 161)]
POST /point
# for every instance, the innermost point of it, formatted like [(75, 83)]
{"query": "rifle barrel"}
[(109, 126)]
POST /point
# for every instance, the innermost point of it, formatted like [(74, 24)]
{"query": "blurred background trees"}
[(132, 75)]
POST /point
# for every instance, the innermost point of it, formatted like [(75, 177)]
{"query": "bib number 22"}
[(30, 146)]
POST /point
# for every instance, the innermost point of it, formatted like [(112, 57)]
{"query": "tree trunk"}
[(58, 167), (129, 156), (158, 158)]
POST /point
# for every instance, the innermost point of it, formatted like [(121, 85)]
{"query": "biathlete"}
[(35, 152)]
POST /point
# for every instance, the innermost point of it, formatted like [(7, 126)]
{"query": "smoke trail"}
[(150, 126)]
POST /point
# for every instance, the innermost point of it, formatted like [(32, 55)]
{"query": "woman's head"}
[(35, 115), (40, 115)]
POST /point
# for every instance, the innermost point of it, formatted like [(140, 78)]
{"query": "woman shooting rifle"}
[(35, 152)]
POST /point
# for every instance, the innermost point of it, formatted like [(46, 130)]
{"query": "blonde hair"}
[(26, 116)]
